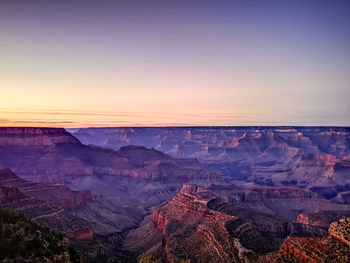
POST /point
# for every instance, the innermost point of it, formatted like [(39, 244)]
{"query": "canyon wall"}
[(196, 227), (310, 157)]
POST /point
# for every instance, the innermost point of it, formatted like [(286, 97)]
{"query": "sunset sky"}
[(174, 63)]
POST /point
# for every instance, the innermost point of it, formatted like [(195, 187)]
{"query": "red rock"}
[(332, 248), (58, 195), (83, 234), (51, 154), (42, 212), (314, 157), (318, 218), (189, 231)]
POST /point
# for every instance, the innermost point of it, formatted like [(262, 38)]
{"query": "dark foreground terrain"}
[(208, 194)]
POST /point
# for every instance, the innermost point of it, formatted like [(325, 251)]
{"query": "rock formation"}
[(334, 247), (57, 195), (185, 229), (284, 202), (52, 154), (317, 218), (11, 198), (200, 228), (83, 234), (22, 240), (310, 157)]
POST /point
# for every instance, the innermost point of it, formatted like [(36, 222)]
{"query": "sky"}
[(174, 63)]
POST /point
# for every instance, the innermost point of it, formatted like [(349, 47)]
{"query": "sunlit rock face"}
[(196, 226), (235, 192), (185, 229), (310, 157), (317, 218), (123, 185), (34, 136), (334, 247)]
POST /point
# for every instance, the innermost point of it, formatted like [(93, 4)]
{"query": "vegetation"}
[(23, 240)]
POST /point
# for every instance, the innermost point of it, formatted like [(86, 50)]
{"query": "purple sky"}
[(125, 63)]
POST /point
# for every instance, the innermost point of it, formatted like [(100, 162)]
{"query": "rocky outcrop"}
[(257, 220), (308, 157), (318, 218), (9, 193), (185, 229), (25, 241), (34, 136), (333, 247), (52, 154), (285, 202), (341, 230), (260, 232), (84, 234), (140, 156), (169, 172), (194, 226), (42, 202), (57, 195), (40, 211), (55, 156), (11, 198)]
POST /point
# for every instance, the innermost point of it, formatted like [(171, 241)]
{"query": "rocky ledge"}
[(41, 212), (184, 228), (58, 195), (197, 227), (334, 247), (341, 230)]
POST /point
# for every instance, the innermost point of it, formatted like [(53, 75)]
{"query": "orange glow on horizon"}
[(76, 119)]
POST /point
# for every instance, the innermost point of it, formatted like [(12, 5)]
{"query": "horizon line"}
[(183, 126)]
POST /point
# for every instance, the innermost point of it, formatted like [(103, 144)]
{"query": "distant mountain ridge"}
[(317, 158), (53, 155)]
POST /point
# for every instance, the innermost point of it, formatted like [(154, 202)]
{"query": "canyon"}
[(196, 227), (316, 158), (333, 247), (39, 210), (204, 194)]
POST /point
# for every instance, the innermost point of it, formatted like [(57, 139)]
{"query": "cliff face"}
[(333, 247), (140, 156), (153, 165), (131, 180), (312, 157), (50, 155), (185, 229), (285, 202), (341, 230), (11, 198), (35, 136), (318, 218), (21, 196), (54, 156), (25, 241), (84, 234), (197, 227), (57, 195)]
